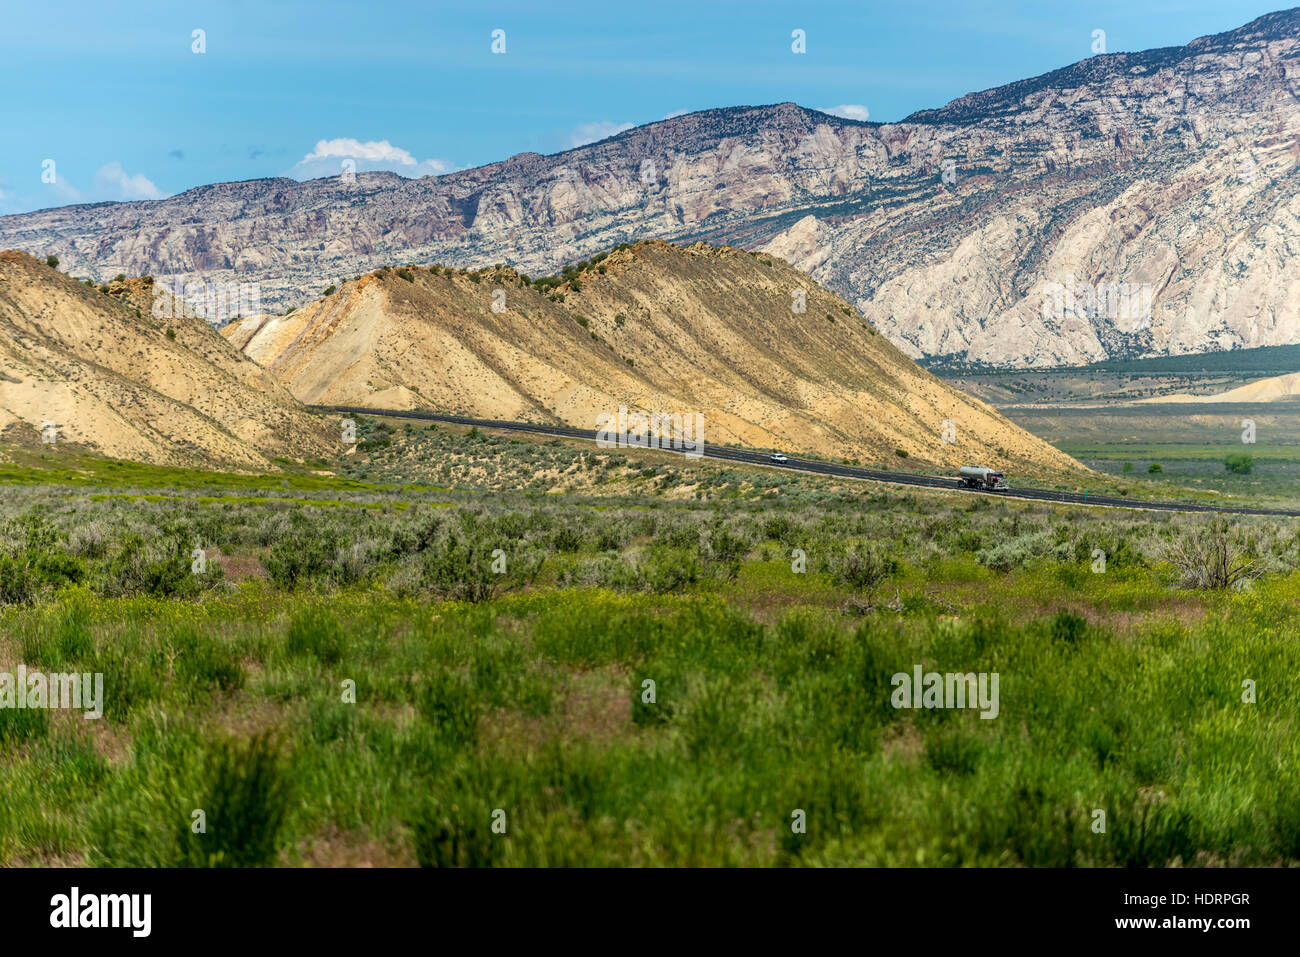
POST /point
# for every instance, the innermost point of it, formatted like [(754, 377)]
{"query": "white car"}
[(778, 458)]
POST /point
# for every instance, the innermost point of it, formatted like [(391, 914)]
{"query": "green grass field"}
[(459, 674)]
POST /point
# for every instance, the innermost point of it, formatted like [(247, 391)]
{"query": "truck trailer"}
[(977, 476)]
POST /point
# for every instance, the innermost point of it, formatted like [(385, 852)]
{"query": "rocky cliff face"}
[(1130, 204)]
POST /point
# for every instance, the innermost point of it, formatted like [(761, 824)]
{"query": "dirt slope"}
[(655, 327), (106, 372), (1262, 390)]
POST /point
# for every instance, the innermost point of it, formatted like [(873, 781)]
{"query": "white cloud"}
[(113, 182), (65, 193), (326, 159), (849, 111), (585, 133), (676, 113)]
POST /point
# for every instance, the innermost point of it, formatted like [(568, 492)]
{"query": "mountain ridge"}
[(944, 228)]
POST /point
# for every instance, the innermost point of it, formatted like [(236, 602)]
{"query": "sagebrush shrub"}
[(862, 566), (1216, 556)]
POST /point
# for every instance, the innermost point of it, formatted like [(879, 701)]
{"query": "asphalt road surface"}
[(825, 468)]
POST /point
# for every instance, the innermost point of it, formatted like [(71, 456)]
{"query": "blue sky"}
[(114, 94)]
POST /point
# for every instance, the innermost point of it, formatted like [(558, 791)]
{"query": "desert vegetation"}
[(390, 672)]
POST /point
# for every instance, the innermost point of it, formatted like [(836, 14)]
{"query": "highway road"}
[(825, 468)]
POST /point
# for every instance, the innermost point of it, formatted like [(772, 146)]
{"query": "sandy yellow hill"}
[(1262, 390), (653, 326), (113, 378)]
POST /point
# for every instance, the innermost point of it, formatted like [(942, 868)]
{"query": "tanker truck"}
[(977, 476)]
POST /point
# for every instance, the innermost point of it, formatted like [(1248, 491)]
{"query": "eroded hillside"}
[(653, 327), (98, 369)]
